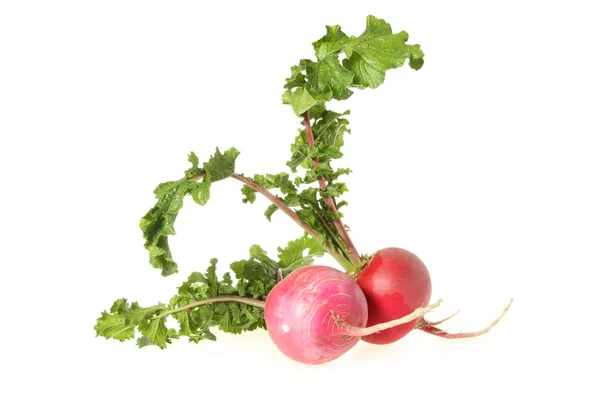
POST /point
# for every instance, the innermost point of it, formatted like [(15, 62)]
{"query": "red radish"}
[(302, 311), (317, 313), (395, 283)]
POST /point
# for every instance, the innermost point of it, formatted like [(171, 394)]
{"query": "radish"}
[(313, 315), (395, 283)]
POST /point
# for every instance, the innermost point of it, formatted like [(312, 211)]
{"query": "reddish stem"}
[(273, 199), (280, 204), (339, 225), (339, 257), (294, 216)]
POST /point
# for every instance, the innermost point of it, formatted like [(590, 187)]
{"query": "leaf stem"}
[(218, 299), (334, 237), (335, 253), (280, 204), (353, 255)]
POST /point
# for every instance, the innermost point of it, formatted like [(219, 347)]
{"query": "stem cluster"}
[(349, 258)]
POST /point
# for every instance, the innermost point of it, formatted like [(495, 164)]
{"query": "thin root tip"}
[(507, 307)]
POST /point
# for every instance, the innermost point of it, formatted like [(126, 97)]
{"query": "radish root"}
[(425, 322), (429, 327), (418, 313)]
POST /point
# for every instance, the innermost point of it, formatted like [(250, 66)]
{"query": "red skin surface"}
[(299, 318), (395, 283)]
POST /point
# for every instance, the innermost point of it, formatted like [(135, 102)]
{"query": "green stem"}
[(343, 261), (353, 255)]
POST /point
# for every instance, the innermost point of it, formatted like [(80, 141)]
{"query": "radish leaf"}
[(256, 277)]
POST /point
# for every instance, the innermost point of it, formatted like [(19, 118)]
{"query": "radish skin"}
[(299, 318), (395, 283)]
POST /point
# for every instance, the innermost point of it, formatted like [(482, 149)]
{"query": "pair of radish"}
[(318, 313)]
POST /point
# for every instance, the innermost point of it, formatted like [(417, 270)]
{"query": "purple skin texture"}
[(307, 312)]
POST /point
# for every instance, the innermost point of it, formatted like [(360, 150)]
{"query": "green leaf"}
[(300, 99), (165, 188), (332, 43), (328, 79), (249, 194), (112, 325), (186, 287), (341, 204), (328, 132), (135, 314), (143, 341), (221, 165), (285, 185), (300, 151), (280, 181), (299, 253), (201, 191), (159, 222), (270, 265), (270, 211), (193, 170), (297, 78), (336, 189), (330, 128), (377, 50), (156, 332), (211, 278)]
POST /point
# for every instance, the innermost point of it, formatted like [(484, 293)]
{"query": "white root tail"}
[(418, 313), (429, 327)]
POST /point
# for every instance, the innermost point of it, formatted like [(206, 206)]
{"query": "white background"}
[(485, 164)]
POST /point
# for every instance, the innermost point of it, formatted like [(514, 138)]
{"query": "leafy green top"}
[(158, 223), (342, 63), (367, 58), (312, 83), (255, 276)]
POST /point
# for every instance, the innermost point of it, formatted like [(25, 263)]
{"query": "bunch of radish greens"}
[(313, 313)]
